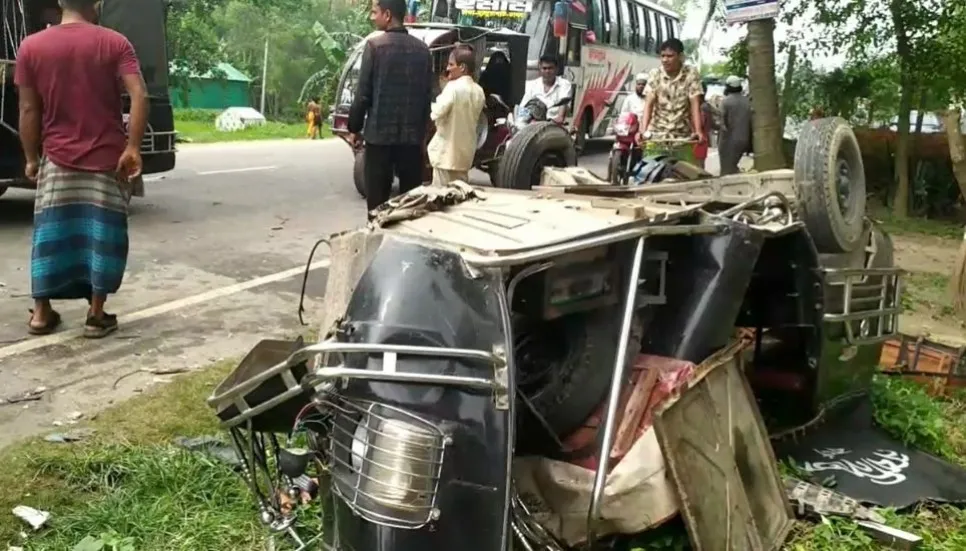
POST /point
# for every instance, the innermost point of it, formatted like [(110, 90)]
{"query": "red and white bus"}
[(608, 42)]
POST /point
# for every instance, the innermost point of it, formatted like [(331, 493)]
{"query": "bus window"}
[(643, 29), (614, 23), (597, 19), (670, 28), (627, 30), (658, 34), (574, 42)]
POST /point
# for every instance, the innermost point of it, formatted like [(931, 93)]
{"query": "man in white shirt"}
[(456, 112), (549, 89), (634, 103)]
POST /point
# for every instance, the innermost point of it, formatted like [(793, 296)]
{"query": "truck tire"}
[(830, 184), (535, 146), (359, 172), (3, 189), (576, 379)]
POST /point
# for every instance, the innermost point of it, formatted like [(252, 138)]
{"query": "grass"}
[(917, 226), (204, 132), (129, 481)]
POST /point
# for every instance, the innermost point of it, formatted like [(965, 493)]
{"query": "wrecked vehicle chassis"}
[(467, 330)]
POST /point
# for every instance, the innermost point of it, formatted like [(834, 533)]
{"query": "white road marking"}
[(153, 178), (161, 309), (231, 170)]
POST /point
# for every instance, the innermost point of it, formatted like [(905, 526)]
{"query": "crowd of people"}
[(71, 77)]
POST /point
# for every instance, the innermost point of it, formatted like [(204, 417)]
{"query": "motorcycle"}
[(627, 150)]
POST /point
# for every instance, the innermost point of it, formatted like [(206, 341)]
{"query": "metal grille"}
[(870, 303), (386, 462)]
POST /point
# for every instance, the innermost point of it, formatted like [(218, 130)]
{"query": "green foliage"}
[(905, 411), (307, 43)]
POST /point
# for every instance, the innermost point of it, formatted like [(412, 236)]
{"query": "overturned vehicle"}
[(569, 367), (512, 156)]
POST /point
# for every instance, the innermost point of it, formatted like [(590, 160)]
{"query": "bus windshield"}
[(534, 22)]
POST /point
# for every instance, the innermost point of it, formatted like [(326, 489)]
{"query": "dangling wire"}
[(305, 277)]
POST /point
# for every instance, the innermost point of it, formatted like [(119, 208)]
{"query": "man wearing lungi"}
[(70, 79)]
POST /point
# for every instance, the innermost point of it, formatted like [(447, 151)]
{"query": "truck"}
[(144, 24)]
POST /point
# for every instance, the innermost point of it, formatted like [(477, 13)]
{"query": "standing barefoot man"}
[(71, 78)]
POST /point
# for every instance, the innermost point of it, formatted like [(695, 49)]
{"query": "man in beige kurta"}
[(456, 112)]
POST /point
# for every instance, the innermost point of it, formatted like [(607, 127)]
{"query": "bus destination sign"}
[(494, 8)]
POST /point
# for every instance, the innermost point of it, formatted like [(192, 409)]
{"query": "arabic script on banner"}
[(885, 467)]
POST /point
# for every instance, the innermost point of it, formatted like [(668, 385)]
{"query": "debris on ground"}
[(29, 396), (212, 446), (34, 517), (152, 371), (69, 436)]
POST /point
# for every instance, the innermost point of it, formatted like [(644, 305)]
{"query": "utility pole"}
[(264, 76)]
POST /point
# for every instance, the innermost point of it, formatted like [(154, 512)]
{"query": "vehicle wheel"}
[(830, 184), (3, 190), (564, 368), (534, 147), (614, 166), (358, 172)]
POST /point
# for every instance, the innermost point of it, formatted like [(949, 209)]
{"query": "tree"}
[(765, 121), (869, 28)]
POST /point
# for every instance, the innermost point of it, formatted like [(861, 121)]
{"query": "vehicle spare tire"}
[(535, 146), (830, 184), (359, 172), (564, 368)]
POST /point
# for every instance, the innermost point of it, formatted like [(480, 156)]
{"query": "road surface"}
[(218, 248)]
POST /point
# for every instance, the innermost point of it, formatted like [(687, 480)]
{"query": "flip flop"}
[(52, 323), (98, 328)]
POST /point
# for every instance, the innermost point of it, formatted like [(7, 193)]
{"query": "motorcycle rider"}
[(672, 105), (549, 88), (634, 103)]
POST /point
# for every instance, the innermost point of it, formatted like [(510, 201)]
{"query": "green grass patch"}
[(927, 293), (194, 131), (128, 484), (917, 225)]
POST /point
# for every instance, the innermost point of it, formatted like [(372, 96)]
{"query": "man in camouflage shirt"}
[(672, 106)]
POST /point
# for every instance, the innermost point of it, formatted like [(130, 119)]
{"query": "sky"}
[(724, 37)]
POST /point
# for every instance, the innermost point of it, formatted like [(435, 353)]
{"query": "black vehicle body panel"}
[(416, 295)]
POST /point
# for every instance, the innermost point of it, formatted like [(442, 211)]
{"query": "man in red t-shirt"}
[(70, 79)]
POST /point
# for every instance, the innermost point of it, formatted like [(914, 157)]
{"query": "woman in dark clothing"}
[(495, 79)]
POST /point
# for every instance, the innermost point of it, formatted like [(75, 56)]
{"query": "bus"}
[(608, 42), (144, 24)]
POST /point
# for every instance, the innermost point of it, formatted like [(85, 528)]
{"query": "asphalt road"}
[(218, 247)]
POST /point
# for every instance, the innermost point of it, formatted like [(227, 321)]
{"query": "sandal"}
[(53, 322), (98, 328)]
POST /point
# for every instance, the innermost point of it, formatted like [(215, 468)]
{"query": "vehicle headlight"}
[(400, 466), (388, 464), (621, 128)]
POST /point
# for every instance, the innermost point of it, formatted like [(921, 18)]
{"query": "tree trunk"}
[(957, 154), (957, 146), (766, 126), (787, 89), (900, 202)]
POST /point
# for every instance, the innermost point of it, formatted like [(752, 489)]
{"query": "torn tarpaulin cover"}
[(870, 466)]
